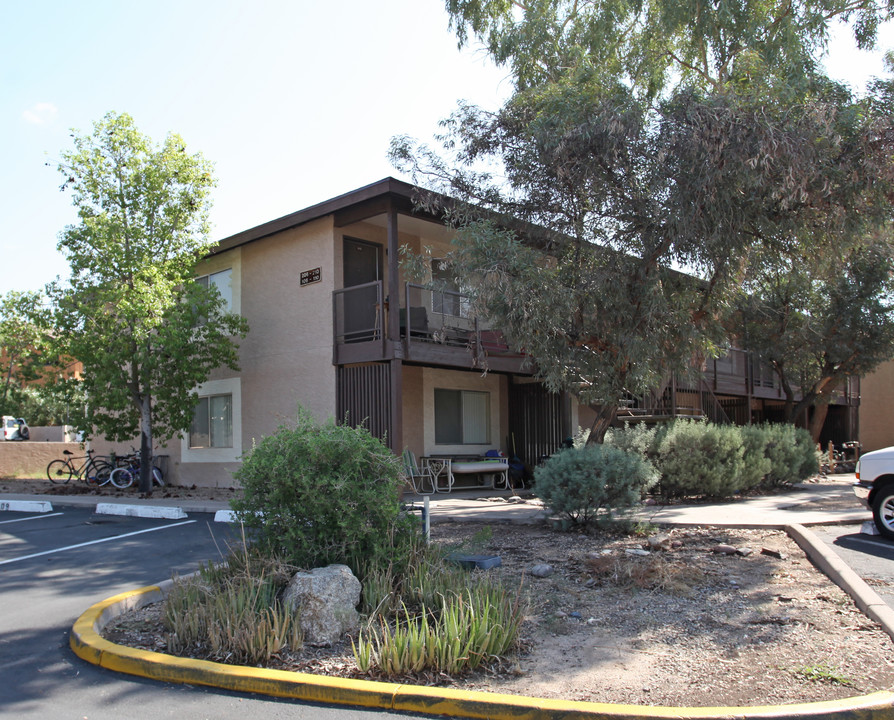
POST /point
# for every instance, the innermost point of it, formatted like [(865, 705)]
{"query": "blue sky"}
[(294, 102)]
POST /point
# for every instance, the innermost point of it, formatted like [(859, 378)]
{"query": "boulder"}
[(326, 602)]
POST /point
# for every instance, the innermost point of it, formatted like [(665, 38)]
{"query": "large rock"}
[(326, 601)]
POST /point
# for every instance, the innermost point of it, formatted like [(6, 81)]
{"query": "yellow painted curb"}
[(87, 644)]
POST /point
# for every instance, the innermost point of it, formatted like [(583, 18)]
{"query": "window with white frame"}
[(223, 281), (212, 423), (462, 417)]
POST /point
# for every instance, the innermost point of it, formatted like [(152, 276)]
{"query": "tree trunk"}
[(146, 446), (820, 410), (604, 419)]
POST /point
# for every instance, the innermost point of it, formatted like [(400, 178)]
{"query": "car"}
[(875, 488), (15, 428)]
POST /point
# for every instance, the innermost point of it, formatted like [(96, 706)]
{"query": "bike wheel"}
[(157, 477), (122, 478), (99, 472), (59, 472)]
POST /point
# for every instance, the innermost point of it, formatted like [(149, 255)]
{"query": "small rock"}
[(637, 551), (576, 615), (744, 552), (723, 549), (590, 583), (659, 542), (515, 499), (542, 570), (592, 621), (561, 614), (772, 553), (677, 544)]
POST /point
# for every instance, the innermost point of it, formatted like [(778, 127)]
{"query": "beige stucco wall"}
[(30, 459), (286, 358), (414, 410), (877, 408)]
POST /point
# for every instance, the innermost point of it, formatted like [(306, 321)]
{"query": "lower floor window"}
[(212, 423), (462, 417)]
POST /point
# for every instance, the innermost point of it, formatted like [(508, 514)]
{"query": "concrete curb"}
[(86, 642), (162, 512), (39, 506), (828, 561)]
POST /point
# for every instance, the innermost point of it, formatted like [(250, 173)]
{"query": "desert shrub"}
[(232, 611), (317, 494), (639, 438), (441, 619), (700, 458), (588, 484), (756, 463), (792, 454)]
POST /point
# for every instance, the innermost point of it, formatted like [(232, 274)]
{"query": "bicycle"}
[(123, 477), (95, 470)]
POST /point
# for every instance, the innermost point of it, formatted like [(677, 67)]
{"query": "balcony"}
[(439, 329)]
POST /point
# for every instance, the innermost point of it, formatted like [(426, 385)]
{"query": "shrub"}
[(642, 439), (700, 458), (232, 612), (791, 452), (442, 619), (756, 463), (317, 494), (589, 484)]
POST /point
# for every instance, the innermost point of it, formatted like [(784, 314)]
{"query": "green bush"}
[(316, 494), (792, 454), (588, 484), (757, 465), (639, 438), (700, 458)]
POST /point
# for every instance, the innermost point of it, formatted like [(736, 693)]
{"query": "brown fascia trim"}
[(403, 195)]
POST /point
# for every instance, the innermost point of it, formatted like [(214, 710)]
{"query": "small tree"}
[(819, 318), (146, 333), (25, 356)]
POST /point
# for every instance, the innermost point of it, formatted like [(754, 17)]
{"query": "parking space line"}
[(34, 517), (93, 542)]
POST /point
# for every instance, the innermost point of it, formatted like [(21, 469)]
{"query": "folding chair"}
[(418, 477)]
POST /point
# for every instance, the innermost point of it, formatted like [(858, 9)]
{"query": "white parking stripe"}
[(93, 542), (35, 517)]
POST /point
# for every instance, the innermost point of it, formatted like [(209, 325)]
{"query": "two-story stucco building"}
[(336, 327)]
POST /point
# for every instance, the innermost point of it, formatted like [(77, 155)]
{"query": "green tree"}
[(588, 199), (146, 333), (643, 138), (818, 319), (650, 46), (25, 357)]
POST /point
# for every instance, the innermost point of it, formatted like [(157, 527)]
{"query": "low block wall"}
[(30, 459)]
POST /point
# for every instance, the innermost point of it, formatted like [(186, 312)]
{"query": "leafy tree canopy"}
[(620, 185), (25, 357), (650, 45), (819, 318), (146, 333)]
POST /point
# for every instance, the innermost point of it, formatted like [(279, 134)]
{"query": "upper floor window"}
[(223, 281)]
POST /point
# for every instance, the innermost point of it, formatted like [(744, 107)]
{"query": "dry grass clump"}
[(650, 572)]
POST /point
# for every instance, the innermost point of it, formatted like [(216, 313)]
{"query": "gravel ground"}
[(688, 617)]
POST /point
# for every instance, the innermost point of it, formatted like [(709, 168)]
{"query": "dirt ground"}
[(688, 617)]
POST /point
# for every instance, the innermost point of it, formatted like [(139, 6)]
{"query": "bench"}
[(491, 471)]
